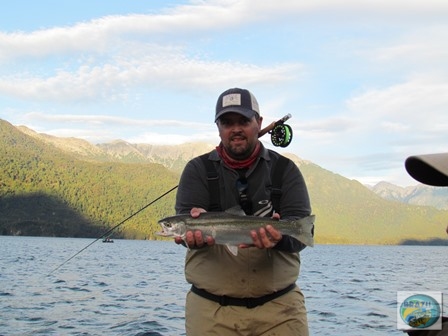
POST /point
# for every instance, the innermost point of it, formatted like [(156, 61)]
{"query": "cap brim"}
[(431, 169), (235, 109)]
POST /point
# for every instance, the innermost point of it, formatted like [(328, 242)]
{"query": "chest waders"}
[(277, 171)]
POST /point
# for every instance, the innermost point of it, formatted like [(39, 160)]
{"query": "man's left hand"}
[(266, 237)]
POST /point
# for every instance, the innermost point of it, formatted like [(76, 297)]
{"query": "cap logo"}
[(231, 99)]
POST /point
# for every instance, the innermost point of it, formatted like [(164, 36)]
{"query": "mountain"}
[(49, 185), (80, 148), (417, 195), (172, 157), (175, 158), (45, 190)]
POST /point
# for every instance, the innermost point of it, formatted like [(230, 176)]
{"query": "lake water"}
[(138, 287)]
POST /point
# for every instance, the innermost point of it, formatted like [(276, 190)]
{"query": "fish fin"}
[(236, 210), (233, 249), (185, 243)]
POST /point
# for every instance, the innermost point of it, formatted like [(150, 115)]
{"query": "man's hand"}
[(195, 239), (266, 237)]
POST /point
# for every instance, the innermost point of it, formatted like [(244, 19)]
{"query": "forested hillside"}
[(65, 190), (45, 191), (349, 213)]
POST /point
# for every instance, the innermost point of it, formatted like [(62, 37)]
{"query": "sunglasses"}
[(245, 203)]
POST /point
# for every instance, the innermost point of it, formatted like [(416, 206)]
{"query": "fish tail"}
[(307, 233)]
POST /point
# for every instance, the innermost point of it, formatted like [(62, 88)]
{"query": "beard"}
[(239, 150), (238, 153)]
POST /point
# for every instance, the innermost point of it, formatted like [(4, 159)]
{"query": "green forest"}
[(48, 191)]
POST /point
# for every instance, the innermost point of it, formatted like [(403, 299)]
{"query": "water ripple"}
[(138, 287)]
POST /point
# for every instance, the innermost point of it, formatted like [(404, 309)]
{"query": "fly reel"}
[(281, 135)]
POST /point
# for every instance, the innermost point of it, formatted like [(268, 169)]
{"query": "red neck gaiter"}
[(238, 164)]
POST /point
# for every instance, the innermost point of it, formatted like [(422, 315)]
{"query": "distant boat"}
[(108, 240)]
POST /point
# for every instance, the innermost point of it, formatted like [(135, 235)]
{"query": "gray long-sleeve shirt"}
[(214, 268)]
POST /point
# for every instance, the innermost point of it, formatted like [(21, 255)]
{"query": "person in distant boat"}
[(252, 291), (430, 169)]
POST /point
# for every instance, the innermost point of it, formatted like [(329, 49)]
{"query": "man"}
[(253, 292), (431, 169)]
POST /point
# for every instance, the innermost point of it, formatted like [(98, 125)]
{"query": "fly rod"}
[(272, 125), (112, 229)]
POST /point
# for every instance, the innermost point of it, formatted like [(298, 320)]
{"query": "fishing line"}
[(112, 229)]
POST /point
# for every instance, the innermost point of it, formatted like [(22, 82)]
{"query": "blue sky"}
[(366, 81)]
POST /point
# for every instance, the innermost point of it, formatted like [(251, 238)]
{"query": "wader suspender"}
[(213, 182), (277, 174)]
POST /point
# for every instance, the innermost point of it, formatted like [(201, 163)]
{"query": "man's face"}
[(239, 135)]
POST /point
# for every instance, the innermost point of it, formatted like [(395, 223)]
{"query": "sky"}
[(366, 81)]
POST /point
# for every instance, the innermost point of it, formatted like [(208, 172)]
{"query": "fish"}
[(232, 230)]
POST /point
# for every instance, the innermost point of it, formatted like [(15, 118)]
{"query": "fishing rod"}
[(281, 135), (112, 229)]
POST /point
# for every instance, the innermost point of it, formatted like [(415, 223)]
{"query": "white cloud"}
[(376, 71), (103, 33), (421, 101), (112, 82), (103, 129), (113, 121), (174, 138)]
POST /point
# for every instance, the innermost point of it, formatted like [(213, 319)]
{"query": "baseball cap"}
[(237, 100), (431, 169)]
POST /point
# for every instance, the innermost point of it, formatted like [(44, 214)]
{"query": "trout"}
[(233, 230)]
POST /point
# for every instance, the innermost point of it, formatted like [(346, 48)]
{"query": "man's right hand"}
[(195, 239)]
